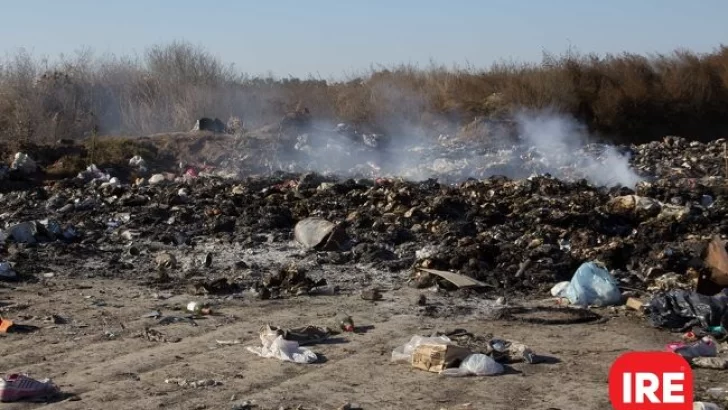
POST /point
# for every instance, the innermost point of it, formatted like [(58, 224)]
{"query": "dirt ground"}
[(98, 356)]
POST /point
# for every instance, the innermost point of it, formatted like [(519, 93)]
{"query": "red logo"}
[(651, 381)]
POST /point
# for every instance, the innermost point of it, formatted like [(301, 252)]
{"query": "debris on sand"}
[(193, 383), (6, 272), (23, 163), (275, 346), (20, 387), (461, 281), (320, 234)]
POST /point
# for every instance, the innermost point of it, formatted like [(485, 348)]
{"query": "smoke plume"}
[(545, 143)]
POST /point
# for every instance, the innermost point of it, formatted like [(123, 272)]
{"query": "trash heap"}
[(519, 235)]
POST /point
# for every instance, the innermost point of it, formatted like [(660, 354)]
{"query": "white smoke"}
[(561, 140), (547, 143)]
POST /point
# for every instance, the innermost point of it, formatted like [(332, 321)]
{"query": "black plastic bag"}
[(680, 310)]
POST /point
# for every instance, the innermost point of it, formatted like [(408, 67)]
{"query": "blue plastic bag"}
[(592, 285)]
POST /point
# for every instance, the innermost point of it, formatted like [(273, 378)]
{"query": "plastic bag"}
[(558, 290), (592, 285), (403, 354), (6, 271), (275, 346), (475, 364), (680, 310), (23, 163)]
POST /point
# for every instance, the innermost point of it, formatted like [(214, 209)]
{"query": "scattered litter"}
[(92, 174), (345, 322), (276, 347), (228, 342), (634, 304), (7, 272), (154, 335), (165, 261), (245, 405), (404, 353), (705, 347), (56, 320), (559, 289), (477, 365), (461, 281), (138, 163), (8, 326), (592, 285), (23, 163), (156, 179), (717, 260), (634, 206), (680, 310), (320, 234), (371, 294), (438, 357), (155, 314), (349, 406), (167, 320), (19, 387), (219, 286), (304, 336), (24, 232), (193, 384), (198, 308)]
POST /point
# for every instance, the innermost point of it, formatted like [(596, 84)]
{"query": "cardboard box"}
[(634, 304), (438, 357)]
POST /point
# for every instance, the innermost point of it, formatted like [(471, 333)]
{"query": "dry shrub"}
[(629, 98)]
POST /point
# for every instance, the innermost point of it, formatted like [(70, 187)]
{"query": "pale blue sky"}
[(330, 38)]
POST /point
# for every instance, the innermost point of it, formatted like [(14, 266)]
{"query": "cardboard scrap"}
[(438, 357), (456, 279), (634, 304), (717, 260)]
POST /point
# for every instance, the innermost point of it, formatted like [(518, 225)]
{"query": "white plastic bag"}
[(475, 364), (23, 163), (275, 346), (593, 285), (559, 289), (403, 354)]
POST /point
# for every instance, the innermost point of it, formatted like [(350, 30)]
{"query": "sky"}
[(334, 39)]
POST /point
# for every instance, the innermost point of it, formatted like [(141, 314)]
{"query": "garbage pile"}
[(520, 235), (345, 152)]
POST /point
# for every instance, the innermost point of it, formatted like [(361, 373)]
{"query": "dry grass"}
[(627, 97)]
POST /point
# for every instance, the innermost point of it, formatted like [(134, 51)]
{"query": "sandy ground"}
[(97, 356)]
